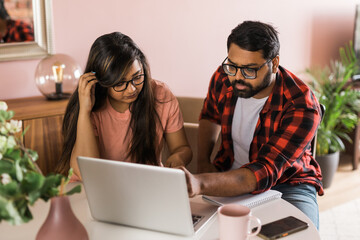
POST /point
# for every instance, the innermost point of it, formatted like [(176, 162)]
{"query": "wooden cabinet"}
[(44, 119)]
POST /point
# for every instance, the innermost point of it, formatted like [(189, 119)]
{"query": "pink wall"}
[(185, 40)]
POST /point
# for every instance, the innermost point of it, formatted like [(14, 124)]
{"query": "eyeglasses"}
[(135, 81), (247, 72)]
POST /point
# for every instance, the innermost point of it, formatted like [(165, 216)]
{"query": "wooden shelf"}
[(36, 107), (44, 119)]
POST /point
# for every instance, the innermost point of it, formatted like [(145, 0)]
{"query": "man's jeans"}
[(302, 196)]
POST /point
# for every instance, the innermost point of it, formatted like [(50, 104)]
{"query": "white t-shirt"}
[(245, 118)]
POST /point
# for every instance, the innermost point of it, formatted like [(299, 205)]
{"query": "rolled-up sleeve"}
[(279, 158)]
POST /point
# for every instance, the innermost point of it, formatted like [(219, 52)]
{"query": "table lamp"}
[(57, 76)]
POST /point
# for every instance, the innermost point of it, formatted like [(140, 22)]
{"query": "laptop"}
[(142, 196)]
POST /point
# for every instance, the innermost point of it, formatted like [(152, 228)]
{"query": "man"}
[(267, 118), (13, 30)]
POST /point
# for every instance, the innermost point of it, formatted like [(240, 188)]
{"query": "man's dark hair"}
[(3, 13), (255, 36)]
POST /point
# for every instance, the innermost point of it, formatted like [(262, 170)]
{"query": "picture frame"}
[(43, 32)]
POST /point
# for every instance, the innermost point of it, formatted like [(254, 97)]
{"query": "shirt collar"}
[(275, 101)]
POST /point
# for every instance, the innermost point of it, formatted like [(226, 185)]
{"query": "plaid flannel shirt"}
[(280, 151), (18, 31)]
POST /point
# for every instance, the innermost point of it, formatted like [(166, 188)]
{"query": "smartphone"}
[(281, 228)]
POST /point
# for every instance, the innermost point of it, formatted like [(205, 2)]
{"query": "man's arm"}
[(230, 183), (207, 137)]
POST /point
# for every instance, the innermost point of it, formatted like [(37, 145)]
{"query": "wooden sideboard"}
[(44, 118)]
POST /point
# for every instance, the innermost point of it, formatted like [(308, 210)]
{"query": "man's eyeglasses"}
[(247, 72), (135, 81)]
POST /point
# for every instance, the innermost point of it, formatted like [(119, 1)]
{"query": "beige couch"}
[(190, 108)]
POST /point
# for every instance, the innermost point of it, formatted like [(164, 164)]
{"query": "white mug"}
[(234, 222)]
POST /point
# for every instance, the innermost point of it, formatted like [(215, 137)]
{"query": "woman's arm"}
[(180, 151), (86, 143)]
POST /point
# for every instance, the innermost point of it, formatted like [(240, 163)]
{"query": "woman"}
[(118, 112)]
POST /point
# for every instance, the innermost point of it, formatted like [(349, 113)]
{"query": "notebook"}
[(142, 196), (249, 200)]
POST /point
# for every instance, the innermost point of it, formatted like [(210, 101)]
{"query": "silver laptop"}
[(142, 196)]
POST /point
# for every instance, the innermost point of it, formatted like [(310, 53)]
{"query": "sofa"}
[(190, 108)]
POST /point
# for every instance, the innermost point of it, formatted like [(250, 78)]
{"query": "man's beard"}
[(250, 91)]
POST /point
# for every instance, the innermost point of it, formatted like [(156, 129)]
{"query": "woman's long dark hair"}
[(111, 57), (3, 13)]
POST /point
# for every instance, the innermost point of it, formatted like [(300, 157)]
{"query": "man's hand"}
[(193, 184), (223, 184)]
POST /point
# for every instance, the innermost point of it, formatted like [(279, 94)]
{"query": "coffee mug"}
[(234, 222)]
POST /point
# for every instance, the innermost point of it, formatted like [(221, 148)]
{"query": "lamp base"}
[(58, 96)]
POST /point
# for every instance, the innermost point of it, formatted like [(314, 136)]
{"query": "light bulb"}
[(57, 76), (58, 71)]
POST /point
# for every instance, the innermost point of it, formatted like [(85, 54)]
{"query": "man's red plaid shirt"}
[(18, 31), (280, 150)]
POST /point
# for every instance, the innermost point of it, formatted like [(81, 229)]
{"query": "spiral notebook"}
[(249, 200)]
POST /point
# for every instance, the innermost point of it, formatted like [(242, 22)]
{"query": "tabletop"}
[(267, 212)]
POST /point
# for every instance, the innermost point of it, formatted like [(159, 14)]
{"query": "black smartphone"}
[(281, 228)]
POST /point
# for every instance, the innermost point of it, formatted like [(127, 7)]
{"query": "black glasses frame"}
[(132, 82), (242, 69)]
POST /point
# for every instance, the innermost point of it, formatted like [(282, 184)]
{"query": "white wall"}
[(185, 40)]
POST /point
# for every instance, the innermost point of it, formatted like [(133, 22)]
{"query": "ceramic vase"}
[(61, 223), (328, 164)]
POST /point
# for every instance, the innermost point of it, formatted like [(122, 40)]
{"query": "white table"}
[(102, 231)]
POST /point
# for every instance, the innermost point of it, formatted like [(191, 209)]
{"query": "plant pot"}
[(328, 164), (61, 223)]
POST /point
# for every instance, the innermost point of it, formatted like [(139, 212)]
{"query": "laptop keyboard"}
[(196, 219)]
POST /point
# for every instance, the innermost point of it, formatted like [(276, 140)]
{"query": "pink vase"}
[(61, 223)]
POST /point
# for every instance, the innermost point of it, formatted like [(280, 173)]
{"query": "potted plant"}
[(332, 87), (21, 181)]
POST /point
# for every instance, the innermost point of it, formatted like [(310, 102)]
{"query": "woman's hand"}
[(180, 151), (175, 161), (86, 91)]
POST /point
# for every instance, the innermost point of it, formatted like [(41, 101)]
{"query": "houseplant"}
[(332, 87), (21, 181)]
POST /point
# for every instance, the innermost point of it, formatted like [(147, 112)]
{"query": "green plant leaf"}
[(18, 171), (23, 209), (332, 86), (32, 185), (75, 189), (71, 171), (33, 154), (25, 130), (33, 197), (22, 182), (5, 166), (10, 114), (10, 190), (50, 186), (14, 154), (9, 212), (33, 181)]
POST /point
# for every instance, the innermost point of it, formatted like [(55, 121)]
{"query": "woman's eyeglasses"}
[(135, 81)]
